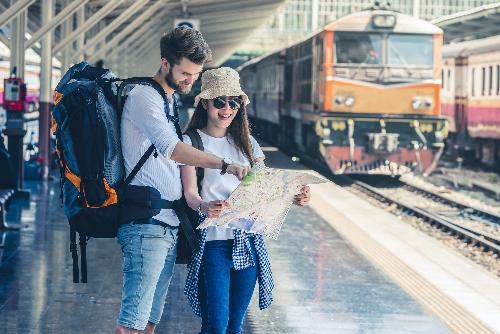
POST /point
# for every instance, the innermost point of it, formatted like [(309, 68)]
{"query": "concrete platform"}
[(324, 284), (461, 293)]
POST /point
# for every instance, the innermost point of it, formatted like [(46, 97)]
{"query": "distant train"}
[(471, 98), (363, 94)]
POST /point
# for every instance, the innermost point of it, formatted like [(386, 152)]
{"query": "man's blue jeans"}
[(224, 292), (149, 253)]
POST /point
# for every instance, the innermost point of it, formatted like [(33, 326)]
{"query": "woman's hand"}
[(213, 209), (302, 199)]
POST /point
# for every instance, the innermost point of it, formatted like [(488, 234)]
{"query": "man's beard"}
[(169, 78)]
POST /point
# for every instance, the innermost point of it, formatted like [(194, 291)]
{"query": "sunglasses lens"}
[(219, 102), (233, 104)]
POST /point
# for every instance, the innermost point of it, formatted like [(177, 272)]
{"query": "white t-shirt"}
[(216, 186)]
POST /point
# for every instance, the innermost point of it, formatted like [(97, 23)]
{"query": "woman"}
[(223, 273)]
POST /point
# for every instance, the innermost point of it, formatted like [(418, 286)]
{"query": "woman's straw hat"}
[(223, 81)]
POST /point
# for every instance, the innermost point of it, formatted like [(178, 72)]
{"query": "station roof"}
[(479, 22), (224, 23)]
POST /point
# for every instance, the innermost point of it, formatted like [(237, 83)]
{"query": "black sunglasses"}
[(234, 102)]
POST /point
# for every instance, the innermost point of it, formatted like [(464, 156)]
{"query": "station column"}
[(45, 89)]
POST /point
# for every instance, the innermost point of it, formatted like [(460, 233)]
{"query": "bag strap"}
[(175, 119), (74, 254), (198, 144), (152, 83), (83, 256), (180, 206), (185, 223), (139, 164)]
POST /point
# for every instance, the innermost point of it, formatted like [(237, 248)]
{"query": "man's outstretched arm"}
[(188, 155)]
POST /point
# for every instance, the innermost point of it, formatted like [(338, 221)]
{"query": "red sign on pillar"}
[(14, 94)]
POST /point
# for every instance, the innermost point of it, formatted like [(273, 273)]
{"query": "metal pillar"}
[(45, 89), (17, 54), (80, 39), (66, 29)]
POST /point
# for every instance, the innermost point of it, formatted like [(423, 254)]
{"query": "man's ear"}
[(165, 64)]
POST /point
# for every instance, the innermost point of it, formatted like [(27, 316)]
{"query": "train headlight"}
[(416, 103), (349, 101), (428, 103), (339, 99), (421, 102), (384, 21)]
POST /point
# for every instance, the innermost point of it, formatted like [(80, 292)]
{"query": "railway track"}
[(488, 241)]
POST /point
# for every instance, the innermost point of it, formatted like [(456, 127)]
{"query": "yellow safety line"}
[(458, 319)]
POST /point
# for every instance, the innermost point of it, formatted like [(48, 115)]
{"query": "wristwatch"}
[(225, 163)]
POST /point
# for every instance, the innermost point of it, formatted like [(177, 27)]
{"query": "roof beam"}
[(11, 12), (83, 27), (57, 20), (110, 27), (134, 37), (151, 12), (201, 7)]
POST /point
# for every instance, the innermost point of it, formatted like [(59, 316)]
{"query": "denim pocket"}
[(152, 231)]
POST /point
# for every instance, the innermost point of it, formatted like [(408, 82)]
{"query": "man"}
[(149, 249)]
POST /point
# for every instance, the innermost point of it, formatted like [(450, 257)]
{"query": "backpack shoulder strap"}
[(198, 144), (155, 85), (152, 83)]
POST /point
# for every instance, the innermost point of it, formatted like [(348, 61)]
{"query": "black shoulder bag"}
[(188, 241)]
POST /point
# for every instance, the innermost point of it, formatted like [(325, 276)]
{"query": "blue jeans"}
[(149, 253), (224, 292)]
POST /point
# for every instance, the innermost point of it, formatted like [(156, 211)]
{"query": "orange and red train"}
[(363, 94)]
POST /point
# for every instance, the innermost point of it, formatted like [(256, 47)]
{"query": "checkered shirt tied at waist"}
[(242, 259)]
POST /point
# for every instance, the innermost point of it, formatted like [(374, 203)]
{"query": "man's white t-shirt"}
[(144, 122), (216, 186)]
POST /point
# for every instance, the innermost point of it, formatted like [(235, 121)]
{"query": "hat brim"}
[(209, 94)]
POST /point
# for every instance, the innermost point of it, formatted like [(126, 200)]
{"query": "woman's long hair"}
[(238, 130)]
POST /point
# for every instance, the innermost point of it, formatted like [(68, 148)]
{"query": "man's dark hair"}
[(185, 42)]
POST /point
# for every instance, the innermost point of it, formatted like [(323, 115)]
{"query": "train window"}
[(498, 79), (442, 79), (490, 81), (483, 82), (407, 49), (357, 48)]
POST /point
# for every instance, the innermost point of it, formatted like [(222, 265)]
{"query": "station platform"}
[(328, 280)]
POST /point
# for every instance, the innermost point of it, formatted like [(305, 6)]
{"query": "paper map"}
[(262, 200)]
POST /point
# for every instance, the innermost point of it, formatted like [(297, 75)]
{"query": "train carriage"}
[(471, 98), (363, 94)]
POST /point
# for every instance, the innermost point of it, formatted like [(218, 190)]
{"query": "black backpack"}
[(88, 102)]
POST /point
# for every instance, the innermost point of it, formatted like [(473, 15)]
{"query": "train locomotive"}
[(362, 94)]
